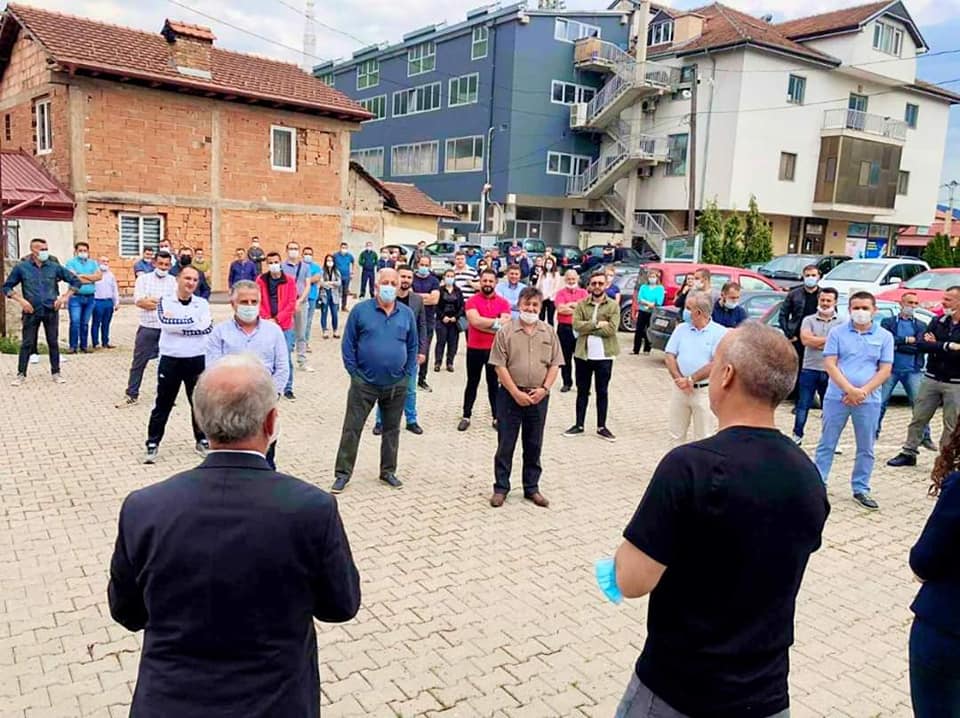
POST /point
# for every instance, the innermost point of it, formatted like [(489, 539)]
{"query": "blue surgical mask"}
[(907, 312), (388, 293), (43, 255), (448, 281), (423, 271), (811, 282), (686, 315), (248, 312)]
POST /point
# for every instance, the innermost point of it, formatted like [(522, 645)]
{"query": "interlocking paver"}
[(466, 611)]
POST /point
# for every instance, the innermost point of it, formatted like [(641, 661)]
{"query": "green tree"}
[(710, 227), (757, 237), (732, 248), (938, 252)]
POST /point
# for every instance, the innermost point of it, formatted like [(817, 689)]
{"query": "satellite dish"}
[(686, 94)]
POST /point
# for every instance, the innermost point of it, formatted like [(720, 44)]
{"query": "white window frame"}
[(436, 158), (579, 92), (578, 164), (420, 54), (480, 36), (660, 33), (44, 134), (796, 81), (292, 131), (328, 79), (140, 218), (887, 39), (563, 26), (368, 74), (447, 156), (458, 81), (366, 102), (362, 156), (412, 92)]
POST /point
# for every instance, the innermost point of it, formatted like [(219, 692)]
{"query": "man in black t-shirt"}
[(720, 541)]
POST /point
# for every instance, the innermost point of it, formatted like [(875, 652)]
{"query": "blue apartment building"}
[(487, 99)]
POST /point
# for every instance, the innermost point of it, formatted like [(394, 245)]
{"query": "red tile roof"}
[(838, 20), (182, 28), (403, 197), (86, 45), (22, 180)]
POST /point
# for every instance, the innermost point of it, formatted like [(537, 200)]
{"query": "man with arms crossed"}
[(734, 517)]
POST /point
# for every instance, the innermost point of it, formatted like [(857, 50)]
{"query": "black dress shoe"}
[(392, 481), (450, 368), (339, 484), (903, 459), (424, 386), (415, 428), (866, 501), (463, 425), (436, 367), (377, 429), (565, 388)]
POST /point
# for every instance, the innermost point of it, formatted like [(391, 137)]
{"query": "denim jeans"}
[(934, 671), (835, 416), (811, 381), (409, 404), (81, 310), (100, 326), (640, 702), (291, 336), (328, 307), (911, 385), (311, 309)]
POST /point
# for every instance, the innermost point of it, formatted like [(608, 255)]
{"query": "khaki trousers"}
[(686, 408)]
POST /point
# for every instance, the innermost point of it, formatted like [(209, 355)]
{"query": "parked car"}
[(787, 270), (872, 275), (568, 256), (593, 257), (441, 253), (665, 319), (533, 247), (929, 287), (404, 251), (674, 274)]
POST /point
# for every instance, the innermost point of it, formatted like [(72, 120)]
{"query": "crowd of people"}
[(741, 506)]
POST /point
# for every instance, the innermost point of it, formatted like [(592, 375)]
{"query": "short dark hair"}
[(403, 266), (704, 272), (514, 266), (488, 271), (530, 293), (305, 249), (240, 249), (163, 254), (37, 239), (954, 288), (189, 267), (198, 249), (459, 253), (148, 249), (831, 290), (863, 295), (273, 254), (814, 267), (292, 241), (730, 285), (81, 244)]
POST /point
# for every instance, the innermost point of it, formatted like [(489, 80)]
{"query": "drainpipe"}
[(489, 147), (706, 139)]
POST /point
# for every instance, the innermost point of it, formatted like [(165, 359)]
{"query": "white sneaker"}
[(306, 367), (19, 380), (58, 379), (798, 440), (34, 358)]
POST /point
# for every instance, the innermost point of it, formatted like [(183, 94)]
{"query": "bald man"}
[(379, 348), (754, 543)]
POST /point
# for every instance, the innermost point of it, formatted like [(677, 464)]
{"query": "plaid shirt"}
[(150, 285)]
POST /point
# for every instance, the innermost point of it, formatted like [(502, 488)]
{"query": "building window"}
[(569, 93), (327, 79), (421, 158), (7, 128), (463, 90), (869, 174), (376, 105), (416, 100), (466, 211), (788, 166), (887, 39), (677, 155), (478, 45), (421, 58), (537, 223), (562, 163), (139, 232), (283, 149), (903, 182), (830, 170), (660, 33), (796, 89), (572, 30), (687, 74), (464, 154), (368, 74), (44, 129), (910, 115), (370, 158)]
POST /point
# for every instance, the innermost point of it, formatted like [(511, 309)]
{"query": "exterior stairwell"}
[(652, 227), (627, 150)]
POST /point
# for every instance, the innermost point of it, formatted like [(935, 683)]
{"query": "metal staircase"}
[(627, 150), (652, 227)]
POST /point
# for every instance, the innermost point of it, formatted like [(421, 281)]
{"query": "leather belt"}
[(701, 385)]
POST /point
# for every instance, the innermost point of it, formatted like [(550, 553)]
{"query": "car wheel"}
[(626, 318)]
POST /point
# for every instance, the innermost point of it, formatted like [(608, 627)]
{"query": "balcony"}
[(863, 124)]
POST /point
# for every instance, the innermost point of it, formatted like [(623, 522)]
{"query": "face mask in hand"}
[(248, 312)]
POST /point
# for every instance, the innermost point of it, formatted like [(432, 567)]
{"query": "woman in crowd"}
[(449, 312), (329, 293), (650, 295), (613, 291), (935, 560), (567, 299), (549, 283)]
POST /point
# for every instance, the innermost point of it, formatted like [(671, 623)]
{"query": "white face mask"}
[(861, 316), (293, 253), (161, 272), (529, 317), (248, 312), (275, 268), (826, 312)]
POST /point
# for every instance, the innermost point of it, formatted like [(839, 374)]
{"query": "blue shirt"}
[(652, 293), (315, 269), (473, 260), (859, 356), (38, 285), (377, 348), (142, 266), (694, 348), (426, 285), (266, 342), (511, 294), (343, 261), (241, 269), (83, 266), (907, 361), (730, 318)]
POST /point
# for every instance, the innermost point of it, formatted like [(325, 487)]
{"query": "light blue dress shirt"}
[(266, 342), (859, 356), (511, 294), (694, 348)]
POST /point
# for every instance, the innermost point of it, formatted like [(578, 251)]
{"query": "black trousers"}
[(568, 343), (547, 311), (640, 334), (422, 376), (448, 339), (597, 371), (476, 364), (30, 328), (171, 373), (360, 402), (146, 346), (526, 422)]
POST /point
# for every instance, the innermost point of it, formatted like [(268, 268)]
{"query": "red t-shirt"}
[(491, 308), (565, 296)]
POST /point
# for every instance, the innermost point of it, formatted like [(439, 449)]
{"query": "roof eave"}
[(939, 93), (778, 49)]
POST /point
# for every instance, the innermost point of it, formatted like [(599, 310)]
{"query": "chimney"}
[(190, 48), (687, 27)]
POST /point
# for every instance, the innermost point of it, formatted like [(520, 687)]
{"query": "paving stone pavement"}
[(467, 611)]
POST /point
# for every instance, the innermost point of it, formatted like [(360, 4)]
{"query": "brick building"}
[(166, 135)]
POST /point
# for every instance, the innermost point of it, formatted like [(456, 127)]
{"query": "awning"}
[(913, 241), (29, 192)]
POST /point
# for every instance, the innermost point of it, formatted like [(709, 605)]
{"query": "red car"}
[(929, 287)]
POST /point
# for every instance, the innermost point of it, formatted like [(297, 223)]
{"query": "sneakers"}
[(127, 401), (424, 386), (866, 501), (798, 440), (565, 388), (450, 368), (928, 444), (339, 484), (202, 447), (605, 433), (306, 368), (463, 425), (574, 431), (58, 379), (392, 481), (151, 456), (34, 358), (903, 459), (19, 380), (288, 395), (415, 428), (377, 429), (436, 368)]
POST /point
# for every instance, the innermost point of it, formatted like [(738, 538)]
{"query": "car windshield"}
[(788, 265), (933, 280), (855, 272)]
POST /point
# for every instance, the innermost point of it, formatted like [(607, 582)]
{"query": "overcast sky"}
[(345, 26)]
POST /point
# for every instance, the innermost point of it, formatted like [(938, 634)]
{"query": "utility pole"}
[(948, 218), (309, 37), (3, 256), (692, 161)]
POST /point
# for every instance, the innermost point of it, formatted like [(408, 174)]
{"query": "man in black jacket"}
[(226, 566), (941, 380), (800, 302)]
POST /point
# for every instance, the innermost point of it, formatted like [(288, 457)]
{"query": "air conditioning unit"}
[(645, 171), (578, 114), (648, 107)]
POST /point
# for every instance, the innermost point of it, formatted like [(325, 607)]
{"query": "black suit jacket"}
[(225, 567)]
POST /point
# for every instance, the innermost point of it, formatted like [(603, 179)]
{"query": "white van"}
[(872, 275)]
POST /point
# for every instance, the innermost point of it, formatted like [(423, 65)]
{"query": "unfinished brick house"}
[(166, 136)]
